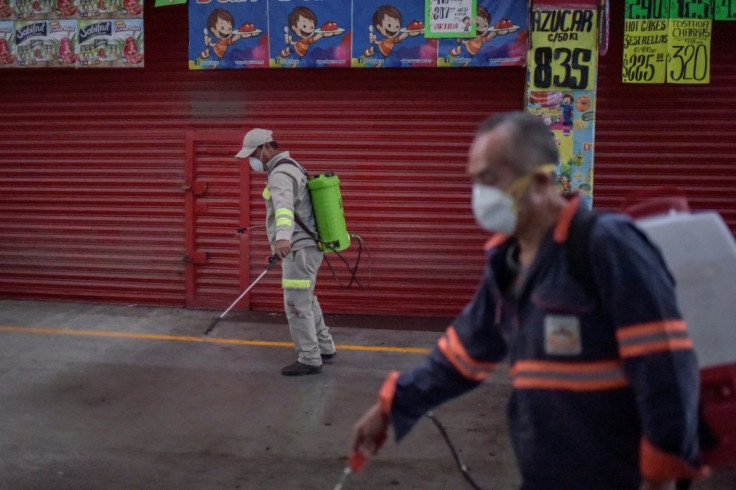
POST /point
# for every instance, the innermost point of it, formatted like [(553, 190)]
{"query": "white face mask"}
[(494, 209), (256, 163)]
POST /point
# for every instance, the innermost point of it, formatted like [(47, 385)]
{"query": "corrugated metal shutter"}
[(218, 254), (668, 135), (93, 164)]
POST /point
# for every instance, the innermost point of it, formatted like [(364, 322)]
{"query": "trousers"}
[(309, 333)]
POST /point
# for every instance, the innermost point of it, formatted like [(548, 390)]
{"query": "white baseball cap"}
[(253, 139)]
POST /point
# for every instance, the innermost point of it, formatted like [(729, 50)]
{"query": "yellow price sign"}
[(688, 51), (645, 51), (563, 53)]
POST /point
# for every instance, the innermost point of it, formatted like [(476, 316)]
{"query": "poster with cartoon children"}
[(571, 117), (390, 34), (309, 34), (230, 35), (501, 35)]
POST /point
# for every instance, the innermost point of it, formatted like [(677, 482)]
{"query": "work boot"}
[(328, 357), (300, 369)]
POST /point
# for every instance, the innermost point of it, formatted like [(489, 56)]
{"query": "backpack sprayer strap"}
[(298, 220)]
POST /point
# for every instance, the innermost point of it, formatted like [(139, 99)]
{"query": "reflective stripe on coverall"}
[(308, 330)]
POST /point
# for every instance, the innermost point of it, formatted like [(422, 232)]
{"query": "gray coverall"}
[(287, 197)]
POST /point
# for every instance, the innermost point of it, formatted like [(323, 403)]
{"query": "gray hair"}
[(531, 144)]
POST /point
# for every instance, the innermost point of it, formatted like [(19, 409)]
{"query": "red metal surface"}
[(93, 163), (668, 135)]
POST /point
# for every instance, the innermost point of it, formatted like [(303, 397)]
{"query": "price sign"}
[(647, 9), (725, 10), (691, 9), (688, 51), (688, 42), (563, 53), (450, 18), (645, 51)]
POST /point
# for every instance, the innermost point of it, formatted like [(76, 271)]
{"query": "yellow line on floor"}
[(206, 340)]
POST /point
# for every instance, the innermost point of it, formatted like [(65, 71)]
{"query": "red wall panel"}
[(92, 165)]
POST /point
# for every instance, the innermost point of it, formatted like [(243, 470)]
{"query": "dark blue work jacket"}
[(605, 380)]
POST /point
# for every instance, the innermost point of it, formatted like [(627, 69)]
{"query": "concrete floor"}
[(130, 397)]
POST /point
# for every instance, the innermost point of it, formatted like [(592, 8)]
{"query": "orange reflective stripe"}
[(648, 338), (550, 375), (650, 328), (562, 228), (387, 392), (654, 347), (452, 348), (564, 367), (495, 241)]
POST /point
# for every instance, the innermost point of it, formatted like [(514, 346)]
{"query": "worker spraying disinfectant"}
[(304, 220)]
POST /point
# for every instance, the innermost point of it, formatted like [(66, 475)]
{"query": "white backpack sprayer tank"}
[(700, 251)]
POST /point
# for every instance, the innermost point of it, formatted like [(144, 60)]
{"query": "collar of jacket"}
[(275, 159)]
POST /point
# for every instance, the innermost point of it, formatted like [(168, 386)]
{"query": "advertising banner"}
[(391, 35), (228, 35), (71, 34), (500, 39), (352, 34), (561, 89), (310, 34)]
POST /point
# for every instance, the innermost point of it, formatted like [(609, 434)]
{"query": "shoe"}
[(328, 357), (300, 369)]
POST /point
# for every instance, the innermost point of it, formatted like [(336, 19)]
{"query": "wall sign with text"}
[(667, 41), (561, 90), (450, 18), (563, 51), (688, 41)]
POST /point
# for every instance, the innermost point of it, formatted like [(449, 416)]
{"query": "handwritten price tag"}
[(563, 53), (645, 51), (688, 51), (450, 18)]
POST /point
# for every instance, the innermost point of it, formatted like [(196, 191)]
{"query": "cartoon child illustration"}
[(566, 109), (220, 23), (482, 31), (387, 20), (466, 23), (563, 183), (302, 22)]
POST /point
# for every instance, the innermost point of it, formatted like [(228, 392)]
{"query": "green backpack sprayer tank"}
[(328, 212)]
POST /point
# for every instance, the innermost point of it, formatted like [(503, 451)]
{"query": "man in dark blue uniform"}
[(605, 378)]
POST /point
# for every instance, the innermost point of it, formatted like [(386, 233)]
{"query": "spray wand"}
[(272, 261), (358, 459), (355, 464)]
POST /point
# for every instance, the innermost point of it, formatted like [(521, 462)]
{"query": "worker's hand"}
[(283, 248), (369, 433)]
